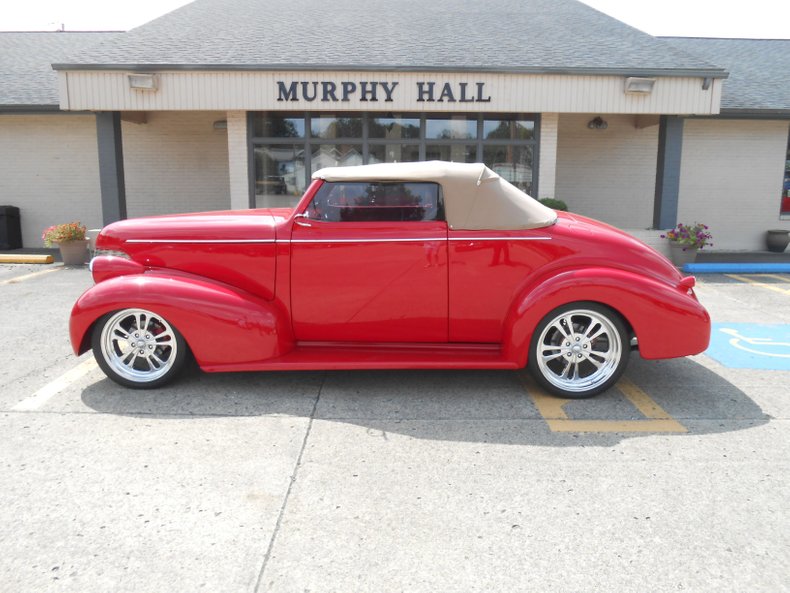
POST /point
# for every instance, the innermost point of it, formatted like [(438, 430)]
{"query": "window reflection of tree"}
[(279, 127), (394, 129), (341, 127)]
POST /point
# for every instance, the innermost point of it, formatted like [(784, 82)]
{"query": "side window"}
[(377, 202)]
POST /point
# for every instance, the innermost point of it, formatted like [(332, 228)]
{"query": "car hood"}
[(230, 226)]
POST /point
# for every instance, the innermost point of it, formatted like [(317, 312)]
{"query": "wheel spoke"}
[(603, 355), (568, 319), (166, 337), (547, 358), (600, 331), (128, 358), (158, 361), (597, 364), (121, 333)]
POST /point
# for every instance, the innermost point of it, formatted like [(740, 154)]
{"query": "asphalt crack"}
[(298, 464)]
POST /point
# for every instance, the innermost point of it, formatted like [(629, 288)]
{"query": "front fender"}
[(668, 320), (221, 324)]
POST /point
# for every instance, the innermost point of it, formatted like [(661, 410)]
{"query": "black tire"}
[(138, 348), (579, 350)]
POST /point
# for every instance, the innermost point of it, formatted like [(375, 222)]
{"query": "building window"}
[(785, 204), (287, 148)]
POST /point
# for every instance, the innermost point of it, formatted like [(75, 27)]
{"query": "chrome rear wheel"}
[(579, 350)]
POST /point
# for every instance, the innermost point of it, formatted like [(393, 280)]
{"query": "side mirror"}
[(301, 219)]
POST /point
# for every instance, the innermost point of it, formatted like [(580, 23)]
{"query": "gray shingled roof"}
[(27, 80), (489, 35), (759, 70)]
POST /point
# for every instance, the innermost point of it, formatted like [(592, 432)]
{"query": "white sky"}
[(700, 18)]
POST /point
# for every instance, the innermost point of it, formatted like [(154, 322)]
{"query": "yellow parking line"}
[(28, 276), (552, 410), (773, 287), (784, 279)]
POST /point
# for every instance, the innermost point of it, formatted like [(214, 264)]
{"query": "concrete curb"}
[(25, 259)]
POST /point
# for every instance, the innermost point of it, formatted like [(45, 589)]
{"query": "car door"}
[(369, 264)]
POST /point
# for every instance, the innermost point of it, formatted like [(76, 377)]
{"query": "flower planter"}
[(682, 254), (776, 240), (74, 253)]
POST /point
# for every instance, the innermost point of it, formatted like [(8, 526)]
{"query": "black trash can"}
[(10, 228)]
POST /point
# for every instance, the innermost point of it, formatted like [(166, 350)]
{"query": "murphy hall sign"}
[(380, 91)]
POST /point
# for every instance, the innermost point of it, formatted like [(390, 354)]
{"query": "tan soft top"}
[(475, 198)]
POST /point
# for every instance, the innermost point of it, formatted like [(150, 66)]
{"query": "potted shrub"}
[(686, 240), (70, 239), (776, 240), (554, 203)]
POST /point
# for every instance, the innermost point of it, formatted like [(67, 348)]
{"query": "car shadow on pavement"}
[(466, 406)]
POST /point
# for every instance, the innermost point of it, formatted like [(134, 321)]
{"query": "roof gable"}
[(497, 35), (759, 70), (26, 76)]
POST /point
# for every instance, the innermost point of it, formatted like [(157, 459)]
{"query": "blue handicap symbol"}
[(750, 346)]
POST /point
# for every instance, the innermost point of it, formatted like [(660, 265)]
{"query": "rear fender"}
[(221, 324), (667, 320)]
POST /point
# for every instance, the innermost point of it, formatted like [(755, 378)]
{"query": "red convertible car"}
[(416, 265)]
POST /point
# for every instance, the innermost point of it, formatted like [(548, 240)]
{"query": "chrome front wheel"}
[(138, 348), (579, 350)]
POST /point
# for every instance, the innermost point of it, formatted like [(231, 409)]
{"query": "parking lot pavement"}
[(388, 480)]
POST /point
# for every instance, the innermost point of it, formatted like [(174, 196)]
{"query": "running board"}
[(347, 356)]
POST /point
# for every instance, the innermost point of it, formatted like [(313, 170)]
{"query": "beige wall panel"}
[(731, 179), (238, 157), (608, 174), (176, 162), (49, 169), (190, 90), (547, 173)]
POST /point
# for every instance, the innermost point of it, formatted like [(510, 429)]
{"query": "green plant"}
[(696, 236), (62, 233), (554, 203)]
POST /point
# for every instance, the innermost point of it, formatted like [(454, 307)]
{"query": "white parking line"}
[(51, 389), (28, 276)]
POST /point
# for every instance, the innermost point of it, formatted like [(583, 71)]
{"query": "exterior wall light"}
[(634, 84), (221, 124), (597, 123), (144, 82)]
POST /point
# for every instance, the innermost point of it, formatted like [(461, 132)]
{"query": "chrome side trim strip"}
[(211, 241), (500, 239), (398, 240), (404, 240)]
